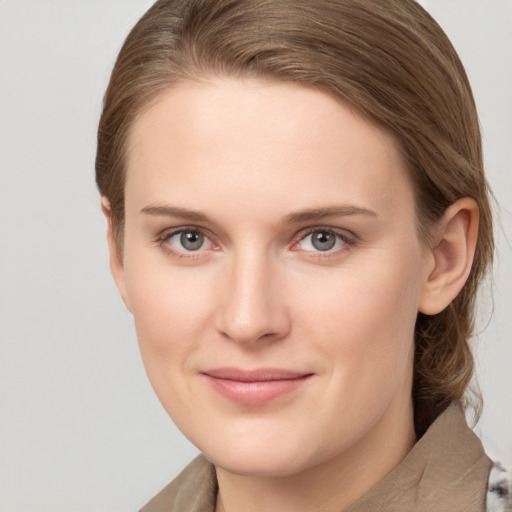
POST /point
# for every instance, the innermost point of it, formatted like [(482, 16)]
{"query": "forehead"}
[(262, 139)]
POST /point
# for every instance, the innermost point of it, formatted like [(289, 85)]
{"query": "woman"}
[(298, 220)]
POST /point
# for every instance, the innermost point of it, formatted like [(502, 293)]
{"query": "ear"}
[(116, 261), (452, 252)]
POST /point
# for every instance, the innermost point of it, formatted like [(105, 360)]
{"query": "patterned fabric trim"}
[(499, 489)]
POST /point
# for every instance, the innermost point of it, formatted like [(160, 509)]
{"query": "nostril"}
[(265, 328)]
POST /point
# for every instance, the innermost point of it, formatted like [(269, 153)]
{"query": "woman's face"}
[(273, 268)]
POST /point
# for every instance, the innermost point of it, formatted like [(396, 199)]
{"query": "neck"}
[(329, 486)]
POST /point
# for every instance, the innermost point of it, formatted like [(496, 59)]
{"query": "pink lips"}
[(254, 387)]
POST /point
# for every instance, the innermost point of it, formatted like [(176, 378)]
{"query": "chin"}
[(257, 459), (260, 466)]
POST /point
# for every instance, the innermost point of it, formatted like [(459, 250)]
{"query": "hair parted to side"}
[(387, 58)]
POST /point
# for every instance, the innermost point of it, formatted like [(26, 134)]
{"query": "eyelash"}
[(167, 248), (349, 241)]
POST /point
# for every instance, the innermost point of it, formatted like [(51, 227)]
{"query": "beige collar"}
[(446, 471)]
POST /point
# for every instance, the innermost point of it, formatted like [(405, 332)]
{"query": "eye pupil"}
[(323, 240), (192, 240)]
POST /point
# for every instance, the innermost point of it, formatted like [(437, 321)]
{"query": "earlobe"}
[(116, 262), (453, 252)]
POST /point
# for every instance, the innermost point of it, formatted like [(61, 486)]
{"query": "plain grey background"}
[(80, 427)]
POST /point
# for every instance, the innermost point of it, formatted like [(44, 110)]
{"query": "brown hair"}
[(388, 58)]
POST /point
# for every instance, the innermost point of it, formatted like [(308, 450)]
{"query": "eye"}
[(186, 240), (321, 240)]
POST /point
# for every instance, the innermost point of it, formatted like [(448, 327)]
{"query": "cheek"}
[(170, 309), (364, 323), (169, 316)]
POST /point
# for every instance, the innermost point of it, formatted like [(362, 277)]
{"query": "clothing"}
[(446, 470), (499, 489)]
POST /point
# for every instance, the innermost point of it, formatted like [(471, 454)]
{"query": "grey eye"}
[(187, 241), (191, 240), (323, 240)]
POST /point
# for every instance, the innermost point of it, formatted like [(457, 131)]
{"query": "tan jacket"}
[(446, 471)]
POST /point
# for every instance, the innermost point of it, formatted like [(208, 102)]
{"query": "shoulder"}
[(193, 490), (499, 489)]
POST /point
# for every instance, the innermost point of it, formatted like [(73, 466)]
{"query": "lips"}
[(254, 387)]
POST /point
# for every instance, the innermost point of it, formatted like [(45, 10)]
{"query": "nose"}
[(251, 304)]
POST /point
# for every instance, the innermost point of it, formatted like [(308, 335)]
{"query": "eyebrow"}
[(173, 211), (307, 215), (313, 214)]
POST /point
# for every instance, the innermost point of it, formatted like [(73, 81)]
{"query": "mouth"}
[(254, 387)]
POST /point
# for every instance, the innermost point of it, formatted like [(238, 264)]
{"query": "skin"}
[(240, 160)]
